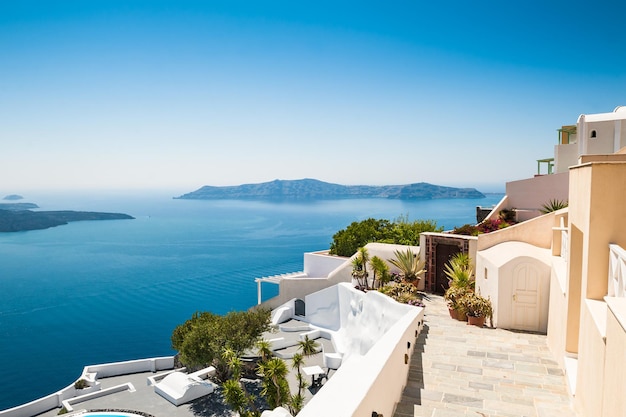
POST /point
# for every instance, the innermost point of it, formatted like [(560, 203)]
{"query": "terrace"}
[(453, 370)]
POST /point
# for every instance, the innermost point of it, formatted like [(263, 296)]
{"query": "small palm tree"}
[(308, 346), (381, 271), (359, 267), (264, 349), (275, 385), (233, 364), (235, 394), (297, 400), (409, 264)]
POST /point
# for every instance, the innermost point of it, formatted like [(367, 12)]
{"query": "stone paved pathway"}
[(465, 371)]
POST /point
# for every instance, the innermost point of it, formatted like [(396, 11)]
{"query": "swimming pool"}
[(112, 414)]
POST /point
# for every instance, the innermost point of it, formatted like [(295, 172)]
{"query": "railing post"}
[(617, 271)]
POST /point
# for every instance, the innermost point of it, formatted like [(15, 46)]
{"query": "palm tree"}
[(359, 267), (308, 346), (233, 364), (265, 349), (409, 264), (235, 393), (275, 385), (236, 398), (297, 400), (381, 271)]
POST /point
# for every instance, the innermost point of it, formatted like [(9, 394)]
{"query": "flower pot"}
[(476, 321), (453, 314), (461, 315)]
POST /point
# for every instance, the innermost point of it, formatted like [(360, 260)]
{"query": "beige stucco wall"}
[(596, 216), (596, 219), (614, 401), (591, 356), (530, 194), (536, 232), (557, 311)]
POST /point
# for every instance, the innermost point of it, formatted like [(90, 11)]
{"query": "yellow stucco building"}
[(563, 273)]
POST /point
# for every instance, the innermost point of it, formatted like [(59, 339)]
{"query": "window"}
[(593, 134)]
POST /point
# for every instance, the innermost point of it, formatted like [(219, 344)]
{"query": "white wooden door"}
[(526, 293)]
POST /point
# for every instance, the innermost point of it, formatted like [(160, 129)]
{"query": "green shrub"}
[(401, 231), (81, 384)]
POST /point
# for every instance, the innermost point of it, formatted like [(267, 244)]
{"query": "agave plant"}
[(459, 271), (553, 205), (409, 264)]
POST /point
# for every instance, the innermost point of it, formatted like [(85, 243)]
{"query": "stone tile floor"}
[(464, 371)]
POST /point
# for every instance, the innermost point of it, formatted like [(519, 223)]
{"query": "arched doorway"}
[(300, 307), (526, 295)]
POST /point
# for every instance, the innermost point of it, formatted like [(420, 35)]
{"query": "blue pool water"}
[(94, 292)]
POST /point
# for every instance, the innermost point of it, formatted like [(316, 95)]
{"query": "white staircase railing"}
[(564, 236), (617, 271)]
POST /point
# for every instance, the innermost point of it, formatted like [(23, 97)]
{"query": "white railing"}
[(90, 373), (564, 236), (617, 271), (564, 249)]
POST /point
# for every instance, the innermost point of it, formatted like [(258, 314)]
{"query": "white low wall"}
[(321, 264), (323, 271), (69, 403), (373, 381), (132, 367), (55, 400)]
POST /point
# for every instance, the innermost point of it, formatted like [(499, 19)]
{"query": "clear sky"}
[(180, 94)]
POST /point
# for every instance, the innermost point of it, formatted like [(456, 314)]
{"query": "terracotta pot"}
[(476, 321), (453, 313), (461, 316)]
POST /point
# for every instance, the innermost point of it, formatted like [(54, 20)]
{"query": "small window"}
[(485, 273), (593, 134)]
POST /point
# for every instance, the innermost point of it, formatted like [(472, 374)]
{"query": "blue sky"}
[(179, 94)]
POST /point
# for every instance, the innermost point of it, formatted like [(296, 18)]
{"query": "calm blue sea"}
[(104, 291)]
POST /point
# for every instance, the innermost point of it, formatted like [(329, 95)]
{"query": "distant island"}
[(311, 189), (18, 206), (17, 218), (13, 197)]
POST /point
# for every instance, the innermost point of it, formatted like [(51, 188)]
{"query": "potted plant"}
[(461, 282), (81, 384), (477, 309), (453, 297), (410, 264)]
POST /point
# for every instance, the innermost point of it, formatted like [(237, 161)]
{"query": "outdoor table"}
[(313, 371)]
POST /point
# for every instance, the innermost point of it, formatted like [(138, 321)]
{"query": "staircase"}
[(458, 370)]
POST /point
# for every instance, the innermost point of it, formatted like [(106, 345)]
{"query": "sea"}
[(104, 291)]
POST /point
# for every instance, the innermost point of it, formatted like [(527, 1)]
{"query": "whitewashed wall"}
[(379, 337)]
